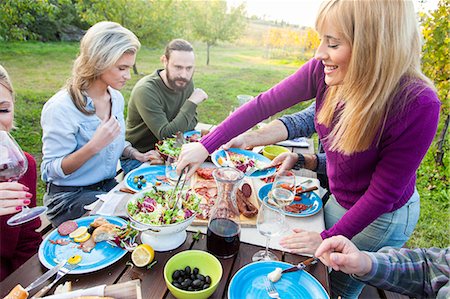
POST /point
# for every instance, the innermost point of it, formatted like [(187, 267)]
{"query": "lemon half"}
[(82, 238), (78, 232), (142, 255)]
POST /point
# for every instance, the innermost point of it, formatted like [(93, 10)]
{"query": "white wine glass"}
[(13, 165), (283, 188), (270, 223)]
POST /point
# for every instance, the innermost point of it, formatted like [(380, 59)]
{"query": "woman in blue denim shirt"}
[(83, 124)]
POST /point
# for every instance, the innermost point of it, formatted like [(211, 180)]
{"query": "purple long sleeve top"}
[(369, 183)]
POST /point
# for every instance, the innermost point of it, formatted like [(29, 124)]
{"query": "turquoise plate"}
[(257, 174), (313, 200), (150, 173), (248, 283), (188, 134), (100, 257)]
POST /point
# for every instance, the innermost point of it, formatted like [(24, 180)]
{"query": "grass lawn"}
[(38, 70)]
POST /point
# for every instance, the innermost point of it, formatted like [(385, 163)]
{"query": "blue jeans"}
[(129, 164), (390, 229), (64, 206)]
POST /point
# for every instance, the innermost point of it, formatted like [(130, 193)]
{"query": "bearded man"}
[(164, 102)]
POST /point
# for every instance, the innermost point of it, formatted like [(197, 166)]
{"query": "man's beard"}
[(172, 82)]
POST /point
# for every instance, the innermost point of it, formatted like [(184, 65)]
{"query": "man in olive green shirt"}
[(164, 102)]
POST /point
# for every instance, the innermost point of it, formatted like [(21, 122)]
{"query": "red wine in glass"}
[(13, 165), (223, 237)]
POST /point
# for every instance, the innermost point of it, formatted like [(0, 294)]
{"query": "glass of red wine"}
[(13, 165)]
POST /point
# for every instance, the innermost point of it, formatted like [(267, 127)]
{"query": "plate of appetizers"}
[(304, 205), (250, 163), (145, 177), (85, 238)]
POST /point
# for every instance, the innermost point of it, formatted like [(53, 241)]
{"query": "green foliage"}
[(436, 51), (154, 22), (19, 19), (43, 20), (211, 22)]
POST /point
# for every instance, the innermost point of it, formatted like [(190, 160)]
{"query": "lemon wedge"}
[(73, 260), (142, 255), (78, 232), (82, 238)]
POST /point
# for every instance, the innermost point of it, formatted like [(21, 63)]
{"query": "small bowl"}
[(207, 264), (271, 151)]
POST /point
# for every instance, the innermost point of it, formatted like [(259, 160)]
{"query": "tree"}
[(436, 53), (36, 20), (154, 22), (211, 22)]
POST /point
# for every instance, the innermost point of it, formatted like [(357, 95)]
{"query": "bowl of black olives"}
[(192, 274)]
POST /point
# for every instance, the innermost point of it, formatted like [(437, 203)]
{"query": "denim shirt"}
[(301, 124), (66, 130)]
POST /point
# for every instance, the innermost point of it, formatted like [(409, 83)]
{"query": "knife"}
[(43, 278), (302, 265)]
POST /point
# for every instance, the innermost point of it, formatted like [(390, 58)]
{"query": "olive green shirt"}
[(156, 112)]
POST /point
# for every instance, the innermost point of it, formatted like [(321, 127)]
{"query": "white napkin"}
[(297, 142), (94, 291), (110, 203)]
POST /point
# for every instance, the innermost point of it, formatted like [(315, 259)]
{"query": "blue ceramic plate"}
[(188, 134), (248, 282), (150, 173), (257, 174), (100, 257), (313, 200)]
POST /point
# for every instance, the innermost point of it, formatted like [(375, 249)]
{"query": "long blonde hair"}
[(6, 81), (100, 48), (386, 48)]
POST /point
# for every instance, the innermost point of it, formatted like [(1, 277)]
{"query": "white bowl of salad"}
[(163, 226)]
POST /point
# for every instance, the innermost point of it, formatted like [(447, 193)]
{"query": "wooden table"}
[(152, 280)]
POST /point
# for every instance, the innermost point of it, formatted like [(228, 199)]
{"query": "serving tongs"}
[(179, 139), (185, 170)]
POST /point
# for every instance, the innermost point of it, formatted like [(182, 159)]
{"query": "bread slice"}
[(105, 232), (17, 293)]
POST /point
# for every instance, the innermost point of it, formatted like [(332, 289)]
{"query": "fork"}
[(228, 159), (270, 288), (61, 272)]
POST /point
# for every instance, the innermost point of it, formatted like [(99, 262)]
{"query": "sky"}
[(298, 12)]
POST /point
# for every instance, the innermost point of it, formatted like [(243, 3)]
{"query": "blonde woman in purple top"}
[(376, 116)]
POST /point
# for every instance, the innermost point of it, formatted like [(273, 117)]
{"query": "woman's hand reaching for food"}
[(193, 155), (302, 241), (13, 197), (242, 141), (287, 161)]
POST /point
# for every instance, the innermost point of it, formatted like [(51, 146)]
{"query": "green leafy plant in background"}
[(212, 22), (433, 175)]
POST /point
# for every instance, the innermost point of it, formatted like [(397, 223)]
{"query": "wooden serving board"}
[(245, 222)]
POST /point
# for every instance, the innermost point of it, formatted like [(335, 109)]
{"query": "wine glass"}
[(283, 188), (270, 223), (171, 169), (13, 165)]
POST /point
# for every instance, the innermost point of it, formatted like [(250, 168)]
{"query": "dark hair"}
[(178, 45)]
